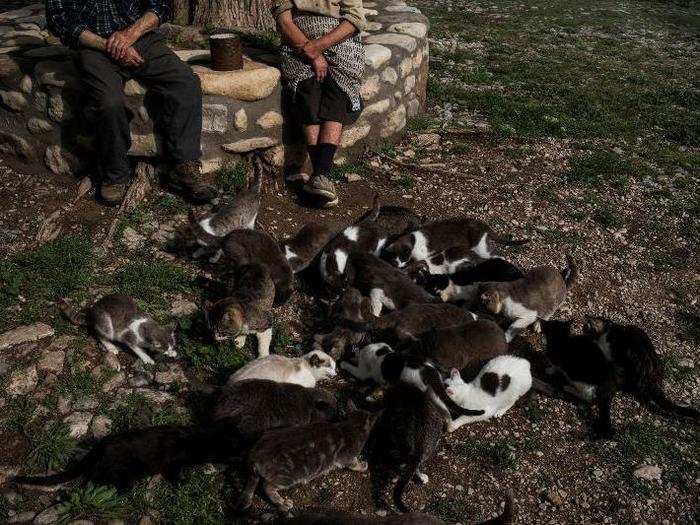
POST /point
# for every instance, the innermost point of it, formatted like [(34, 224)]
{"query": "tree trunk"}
[(245, 14), (181, 12)]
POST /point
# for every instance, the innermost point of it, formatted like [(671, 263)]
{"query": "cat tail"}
[(434, 380), (373, 213), (657, 397), (75, 316), (570, 273), (505, 241), (60, 478), (507, 517), (410, 472), (256, 184)]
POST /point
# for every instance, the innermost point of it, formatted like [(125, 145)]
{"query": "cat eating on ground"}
[(348, 322), (460, 285), (305, 371), (409, 323), (302, 249), (502, 381), (117, 320)]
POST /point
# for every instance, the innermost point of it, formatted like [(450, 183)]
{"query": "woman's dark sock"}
[(325, 153), (312, 150)]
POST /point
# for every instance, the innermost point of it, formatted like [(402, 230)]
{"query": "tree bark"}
[(245, 14), (181, 11)]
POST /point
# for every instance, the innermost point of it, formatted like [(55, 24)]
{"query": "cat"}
[(250, 246), (467, 347), (445, 262), (254, 406), (537, 295), (117, 320), (348, 322), (407, 324), (392, 220), (378, 362), (302, 249), (386, 286), (607, 358), (125, 458), (246, 310), (502, 381), (441, 235), (459, 285), (305, 371), (240, 213), (286, 457)]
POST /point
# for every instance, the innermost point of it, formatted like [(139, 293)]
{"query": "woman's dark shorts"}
[(318, 102)]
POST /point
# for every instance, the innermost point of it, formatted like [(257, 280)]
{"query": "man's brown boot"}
[(187, 180), (113, 193)]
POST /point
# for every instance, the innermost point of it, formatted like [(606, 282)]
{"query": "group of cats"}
[(412, 306)]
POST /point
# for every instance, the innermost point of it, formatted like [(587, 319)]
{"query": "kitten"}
[(246, 310), (254, 406), (441, 235), (536, 296), (241, 213), (459, 285), (286, 457), (609, 357), (117, 319), (251, 246), (415, 319), (348, 322), (123, 459), (467, 347), (305, 371), (386, 286), (381, 364), (304, 247), (503, 381)]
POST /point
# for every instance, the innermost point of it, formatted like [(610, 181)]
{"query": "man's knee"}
[(188, 90), (107, 104)]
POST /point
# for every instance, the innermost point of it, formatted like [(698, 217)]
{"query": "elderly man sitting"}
[(116, 43)]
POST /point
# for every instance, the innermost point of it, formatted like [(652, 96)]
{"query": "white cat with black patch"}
[(305, 371), (381, 364), (500, 383)]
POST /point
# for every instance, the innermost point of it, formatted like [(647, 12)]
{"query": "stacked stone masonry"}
[(42, 99)]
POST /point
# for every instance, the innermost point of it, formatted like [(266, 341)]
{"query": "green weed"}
[(421, 123), (149, 281), (195, 499), (340, 171), (498, 454), (53, 448), (92, 501), (232, 177)]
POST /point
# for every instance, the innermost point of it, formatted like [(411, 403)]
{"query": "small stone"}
[(409, 84), (51, 361), (146, 145), (240, 120), (139, 379), (370, 87), (395, 122), (424, 140), (405, 66), (13, 100), (247, 145), (173, 374), (373, 26), (271, 119), (554, 497), (26, 84), (48, 516), (25, 334), (39, 125), (648, 472), (390, 76), (61, 161), (183, 307), (393, 39), (85, 403), (133, 89), (79, 423), (415, 29), (402, 9), (22, 382), (214, 118), (353, 177), (413, 107), (376, 55), (132, 239), (377, 108), (352, 134), (15, 145), (100, 426), (116, 380), (57, 109)]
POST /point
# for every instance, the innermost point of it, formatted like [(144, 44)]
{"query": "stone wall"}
[(41, 97)]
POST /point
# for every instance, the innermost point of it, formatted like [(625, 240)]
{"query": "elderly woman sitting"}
[(322, 65)]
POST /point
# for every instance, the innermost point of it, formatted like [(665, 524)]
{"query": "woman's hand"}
[(312, 50), (320, 66)]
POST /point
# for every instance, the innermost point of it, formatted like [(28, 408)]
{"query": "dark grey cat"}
[(410, 322), (290, 456), (302, 249), (117, 319), (348, 324), (251, 246), (240, 213)]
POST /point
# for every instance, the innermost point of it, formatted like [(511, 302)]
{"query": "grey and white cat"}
[(305, 371), (438, 236), (348, 324), (502, 381), (538, 295), (247, 309), (117, 320), (302, 249), (287, 457), (240, 213)]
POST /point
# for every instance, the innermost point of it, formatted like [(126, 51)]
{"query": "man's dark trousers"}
[(164, 75)]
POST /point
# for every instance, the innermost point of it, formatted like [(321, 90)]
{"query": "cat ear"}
[(315, 361), (450, 391), (454, 373)]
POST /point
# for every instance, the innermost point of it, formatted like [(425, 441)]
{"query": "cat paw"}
[(422, 478), (359, 466)]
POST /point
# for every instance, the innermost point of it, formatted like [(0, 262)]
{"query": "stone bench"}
[(41, 96)]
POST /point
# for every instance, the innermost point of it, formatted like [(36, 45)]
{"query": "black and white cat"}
[(459, 285)]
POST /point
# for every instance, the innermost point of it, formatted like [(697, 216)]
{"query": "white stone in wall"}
[(390, 76), (402, 9), (398, 96), (214, 118), (143, 113), (9, 49), (395, 122), (255, 81), (132, 89), (376, 55), (371, 12), (378, 107), (393, 39), (41, 100), (61, 161), (57, 74), (413, 107), (352, 134), (416, 29), (373, 26), (39, 125), (57, 109), (271, 119), (274, 156), (417, 60), (13, 100), (247, 145), (409, 84), (370, 87), (148, 145), (405, 66), (26, 84), (240, 120), (212, 165)]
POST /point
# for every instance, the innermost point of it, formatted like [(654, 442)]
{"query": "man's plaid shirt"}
[(68, 18)]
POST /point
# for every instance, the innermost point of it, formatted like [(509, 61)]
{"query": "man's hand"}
[(119, 42), (131, 58), (320, 66)]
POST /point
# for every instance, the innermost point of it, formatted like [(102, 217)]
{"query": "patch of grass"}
[(232, 177), (81, 382), (195, 499), (406, 182), (149, 281), (133, 412), (92, 501), (132, 220), (459, 148), (676, 371), (603, 166), (534, 412), (688, 325), (451, 509), (18, 414), (266, 40), (421, 123), (53, 447), (170, 205), (11, 278), (169, 416), (499, 454), (340, 171), (607, 215)]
